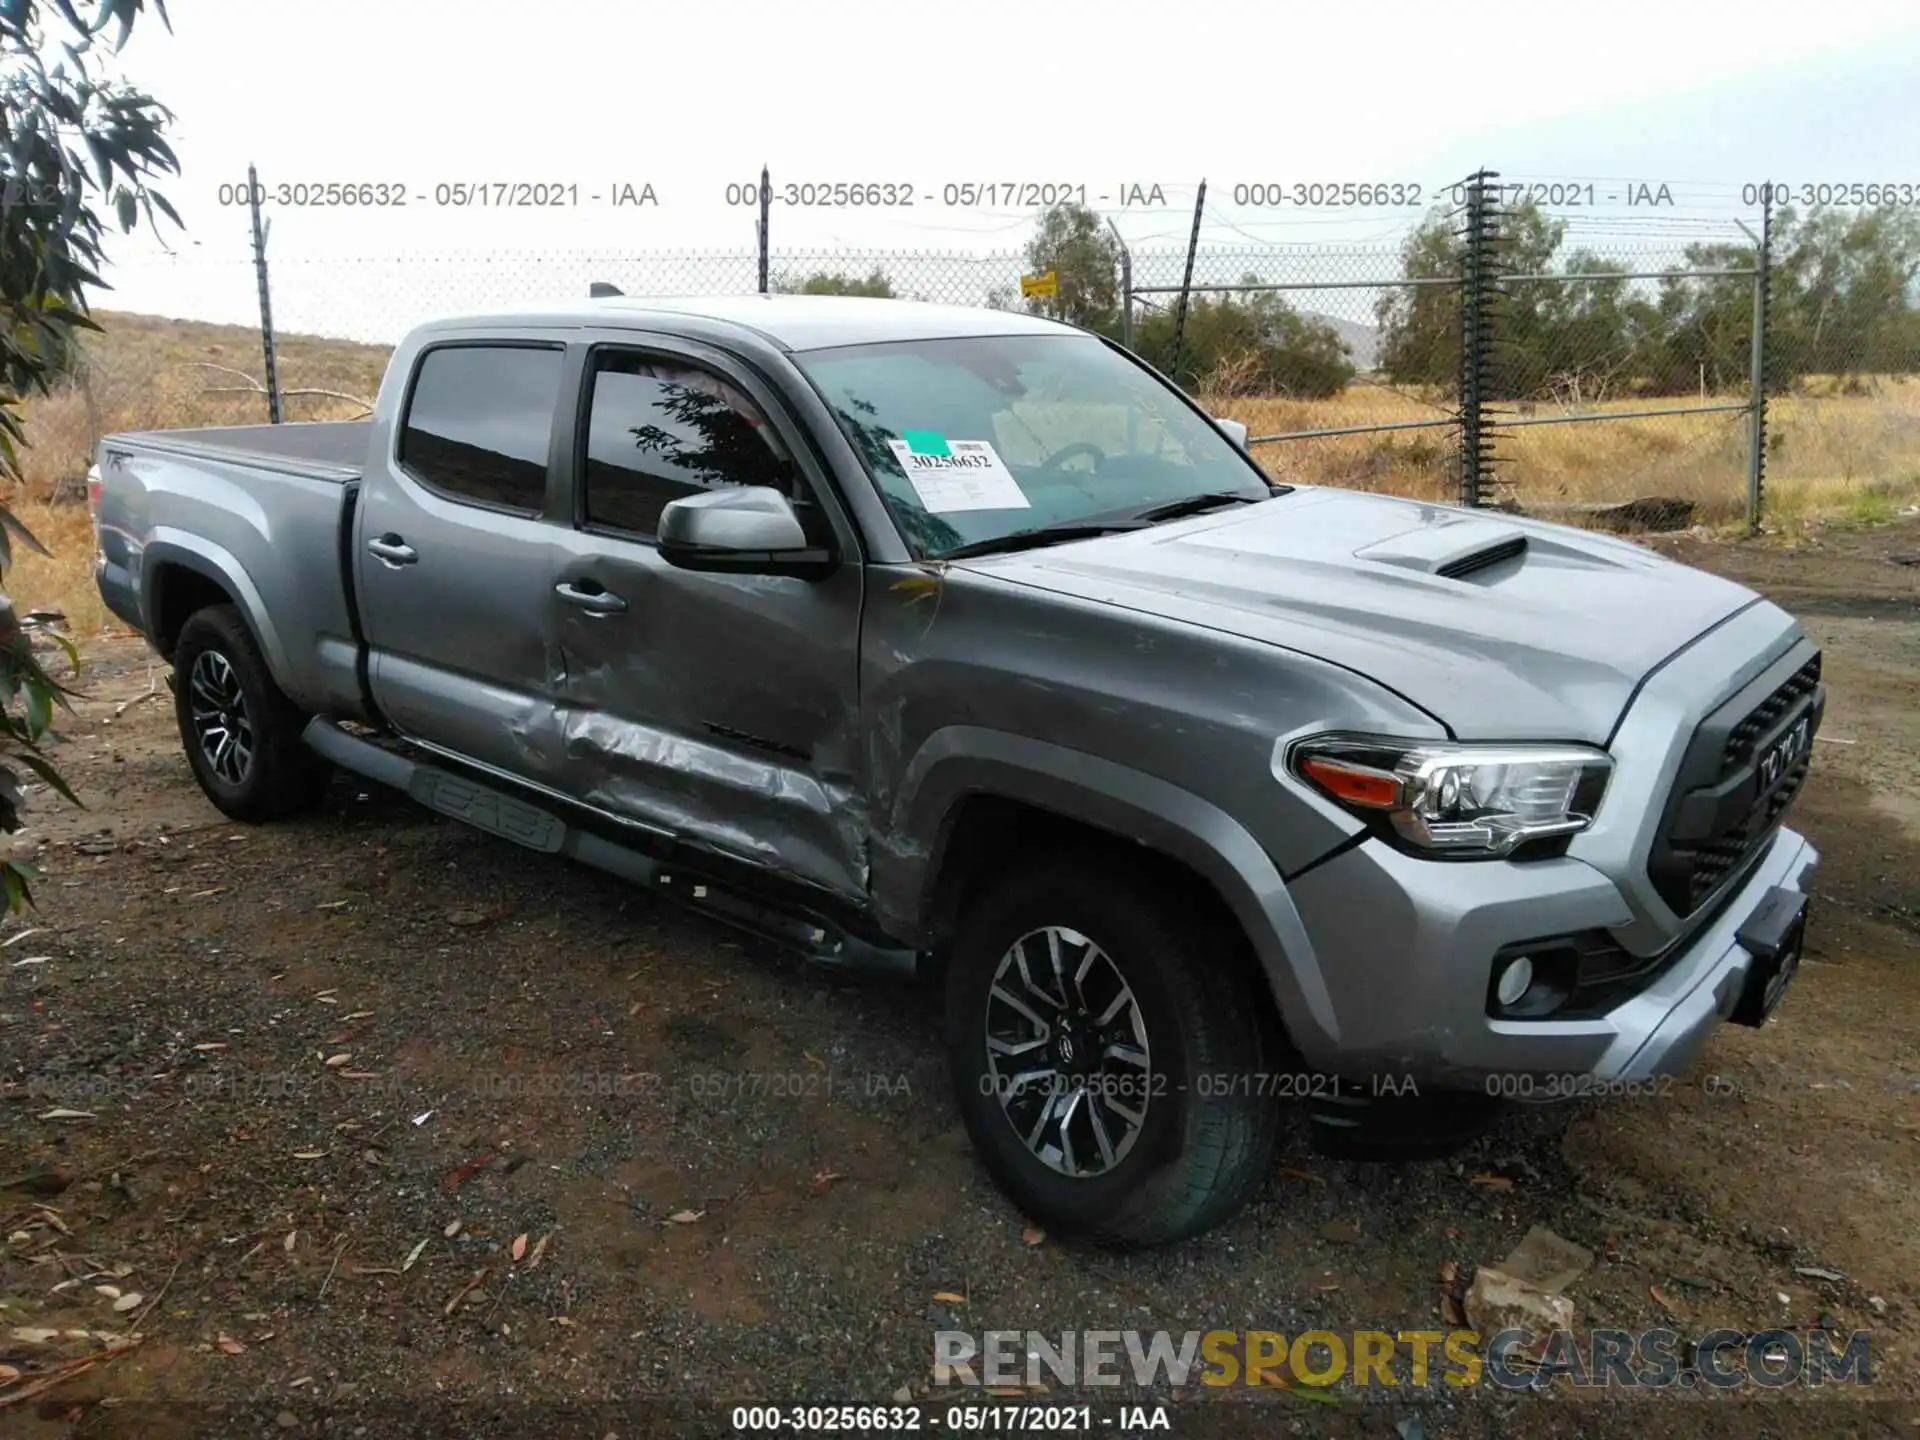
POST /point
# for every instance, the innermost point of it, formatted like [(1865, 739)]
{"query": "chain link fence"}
[(1617, 370)]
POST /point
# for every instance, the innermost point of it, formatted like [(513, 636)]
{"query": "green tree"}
[(77, 147), (1420, 324), (823, 282), (1843, 302), (1076, 244), (1252, 342)]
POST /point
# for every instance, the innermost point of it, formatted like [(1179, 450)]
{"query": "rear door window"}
[(479, 423)]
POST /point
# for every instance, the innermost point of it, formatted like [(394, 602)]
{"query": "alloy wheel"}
[(1067, 1052), (221, 725)]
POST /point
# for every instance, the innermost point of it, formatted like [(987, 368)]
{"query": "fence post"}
[(266, 296), (1478, 288), (766, 206), (1186, 284), (1126, 286), (1757, 372)]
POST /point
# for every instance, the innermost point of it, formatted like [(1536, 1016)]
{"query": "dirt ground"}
[(688, 1171)]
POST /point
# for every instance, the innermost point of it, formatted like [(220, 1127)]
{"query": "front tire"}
[(1106, 1050), (240, 731)]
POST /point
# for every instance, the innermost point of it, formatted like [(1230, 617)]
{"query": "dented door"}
[(720, 707)]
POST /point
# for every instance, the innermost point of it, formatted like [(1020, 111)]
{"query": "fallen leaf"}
[(309, 1154), (539, 1251), (1451, 1233), (8, 1374), (210, 1045), (1449, 1270), (1814, 1272), (823, 1182), (293, 1239), (1493, 1182), (1662, 1301), (413, 1255), (478, 1162), (948, 1297), (358, 1074), (1032, 1235), (32, 1335), (519, 1246), (334, 1062), (1341, 1232), (453, 1228), (59, 1114), (1307, 1175), (230, 1345), (685, 1217), (112, 1292)]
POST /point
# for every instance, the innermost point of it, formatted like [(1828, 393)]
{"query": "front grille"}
[(1717, 817)]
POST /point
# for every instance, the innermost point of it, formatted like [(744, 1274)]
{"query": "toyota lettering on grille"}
[(1785, 752)]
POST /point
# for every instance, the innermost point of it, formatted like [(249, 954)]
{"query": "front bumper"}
[(1405, 945)]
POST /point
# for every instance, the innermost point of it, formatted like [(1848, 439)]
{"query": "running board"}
[(529, 826)]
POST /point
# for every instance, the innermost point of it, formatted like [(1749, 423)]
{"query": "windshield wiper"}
[(1040, 535), (1192, 505)]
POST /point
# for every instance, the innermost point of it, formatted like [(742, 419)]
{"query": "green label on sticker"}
[(925, 442)]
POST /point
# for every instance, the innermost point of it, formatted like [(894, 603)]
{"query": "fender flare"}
[(170, 547), (962, 760)]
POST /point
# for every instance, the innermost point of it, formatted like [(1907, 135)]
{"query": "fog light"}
[(1513, 981)]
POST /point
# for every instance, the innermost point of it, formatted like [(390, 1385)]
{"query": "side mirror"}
[(741, 530), (1235, 431)]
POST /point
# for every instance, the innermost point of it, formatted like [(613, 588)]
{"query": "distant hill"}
[(1362, 341)]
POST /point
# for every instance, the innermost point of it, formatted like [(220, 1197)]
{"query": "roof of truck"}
[(794, 322)]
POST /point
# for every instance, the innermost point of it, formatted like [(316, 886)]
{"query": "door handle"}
[(595, 602), (392, 550)]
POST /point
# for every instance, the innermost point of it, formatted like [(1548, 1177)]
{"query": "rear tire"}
[(1166, 1131), (240, 731)]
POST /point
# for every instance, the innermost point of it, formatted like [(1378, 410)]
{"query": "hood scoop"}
[(1452, 551)]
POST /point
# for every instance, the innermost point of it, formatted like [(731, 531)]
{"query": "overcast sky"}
[(1699, 94)]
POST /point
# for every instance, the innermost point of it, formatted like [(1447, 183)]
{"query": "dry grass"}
[(1830, 454), (1851, 456), (148, 373)]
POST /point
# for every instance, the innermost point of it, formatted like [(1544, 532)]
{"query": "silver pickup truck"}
[(961, 639)]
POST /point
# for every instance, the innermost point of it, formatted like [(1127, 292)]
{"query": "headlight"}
[(1464, 800)]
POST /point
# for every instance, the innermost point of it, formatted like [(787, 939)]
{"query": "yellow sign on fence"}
[(1047, 283)]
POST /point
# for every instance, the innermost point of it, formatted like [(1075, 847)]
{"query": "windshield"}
[(976, 438)]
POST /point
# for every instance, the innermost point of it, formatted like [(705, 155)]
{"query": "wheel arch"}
[(183, 574), (973, 798)]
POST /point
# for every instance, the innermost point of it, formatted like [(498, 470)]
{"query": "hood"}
[(1499, 627)]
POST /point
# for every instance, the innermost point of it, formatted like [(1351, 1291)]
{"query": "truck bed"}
[(318, 449), (263, 513)]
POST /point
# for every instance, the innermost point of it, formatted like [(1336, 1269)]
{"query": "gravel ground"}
[(395, 1129)]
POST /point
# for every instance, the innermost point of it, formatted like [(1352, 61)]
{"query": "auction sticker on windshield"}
[(951, 475)]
